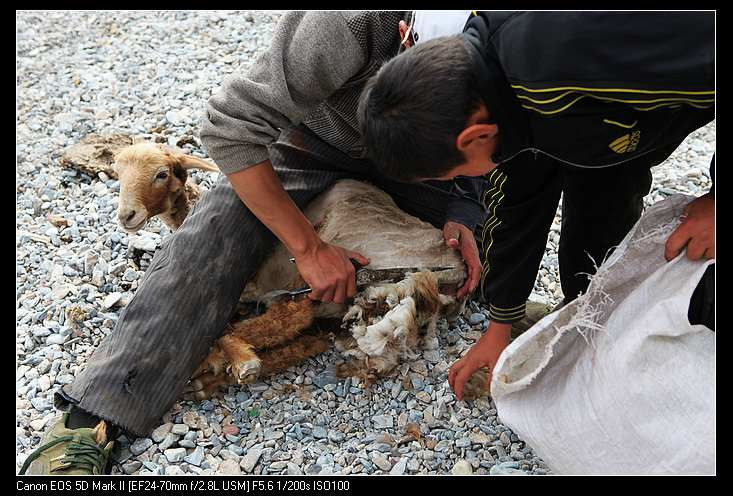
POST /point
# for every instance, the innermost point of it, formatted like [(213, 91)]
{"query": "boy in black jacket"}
[(543, 103)]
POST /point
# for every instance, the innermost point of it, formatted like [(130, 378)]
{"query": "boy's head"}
[(422, 115)]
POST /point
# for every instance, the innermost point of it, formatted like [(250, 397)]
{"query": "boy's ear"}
[(476, 135)]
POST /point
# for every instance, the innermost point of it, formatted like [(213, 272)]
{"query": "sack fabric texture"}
[(619, 381)]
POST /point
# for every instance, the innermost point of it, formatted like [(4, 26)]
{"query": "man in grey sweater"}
[(281, 134)]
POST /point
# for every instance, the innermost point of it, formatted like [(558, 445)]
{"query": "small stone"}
[(423, 396), (130, 468), (504, 438), (38, 424), (56, 339), (463, 442), (174, 470), (175, 455), (382, 422), (271, 434), (229, 467), (169, 441), (319, 432), (324, 378), (478, 438), (293, 469), (476, 318), (179, 429), (161, 432), (336, 436), (501, 469), (381, 461), (140, 445), (191, 419), (230, 430), (462, 467), (111, 300), (196, 457), (399, 467), (44, 383), (250, 459)]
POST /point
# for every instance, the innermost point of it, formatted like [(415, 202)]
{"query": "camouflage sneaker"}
[(534, 313), (66, 451)]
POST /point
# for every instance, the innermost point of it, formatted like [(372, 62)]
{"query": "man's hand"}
[(329, 272), (458, 236), (697, 231), (484, 353)]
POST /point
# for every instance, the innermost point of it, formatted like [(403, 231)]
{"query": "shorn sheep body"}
[(385, 324)]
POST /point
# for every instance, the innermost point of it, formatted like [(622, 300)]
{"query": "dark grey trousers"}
[(195, 279)]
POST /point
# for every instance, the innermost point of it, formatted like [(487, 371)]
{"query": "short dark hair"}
[(411, 111)]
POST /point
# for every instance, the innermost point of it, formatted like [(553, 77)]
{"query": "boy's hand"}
[(459, 237), (329, 272), (484, 353), (697, 231)]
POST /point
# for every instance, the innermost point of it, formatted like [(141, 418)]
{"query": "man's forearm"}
[(260, 189)]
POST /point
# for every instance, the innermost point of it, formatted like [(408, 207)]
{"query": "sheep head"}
[(152, 181)]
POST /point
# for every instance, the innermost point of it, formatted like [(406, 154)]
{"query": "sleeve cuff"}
[(465, 212), (507, 315), (235, 158)]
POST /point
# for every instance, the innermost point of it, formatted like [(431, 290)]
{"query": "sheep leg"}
[(214, 363), (243, 363), (281, 323), (293, 353), (206, 385)]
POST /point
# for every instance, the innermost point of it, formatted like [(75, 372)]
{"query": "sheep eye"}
[(162, 175)]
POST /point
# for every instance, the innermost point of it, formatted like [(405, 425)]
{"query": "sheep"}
[(385, 324), (154, 182)]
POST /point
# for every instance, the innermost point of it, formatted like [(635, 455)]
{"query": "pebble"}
[(160, 433), (56, 339), (229, 467), (110, 300), (140, 445), (169, 441), (382, 422), (174, 455), (196, 457), (399, 467), (476, 318), (462, 467), (131, 467), (381, 461), (294, 469), (250, 459), (180, 429)]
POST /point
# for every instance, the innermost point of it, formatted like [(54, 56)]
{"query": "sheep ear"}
[(191, 162), (187, 161)]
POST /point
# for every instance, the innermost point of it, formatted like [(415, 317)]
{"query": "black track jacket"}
[(589, 89)]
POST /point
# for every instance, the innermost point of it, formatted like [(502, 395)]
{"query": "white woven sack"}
[(618, 381)]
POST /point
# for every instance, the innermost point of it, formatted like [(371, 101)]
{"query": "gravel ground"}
[(146, 72)]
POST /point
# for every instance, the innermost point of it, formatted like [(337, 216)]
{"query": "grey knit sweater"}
[(312, 74)]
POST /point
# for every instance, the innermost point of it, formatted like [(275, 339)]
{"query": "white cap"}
[(429, 24)]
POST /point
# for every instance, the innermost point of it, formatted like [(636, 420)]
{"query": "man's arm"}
[(463, 214), (311, 56), (326, 268)]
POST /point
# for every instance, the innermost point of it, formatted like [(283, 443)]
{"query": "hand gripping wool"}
[(619, 381)]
